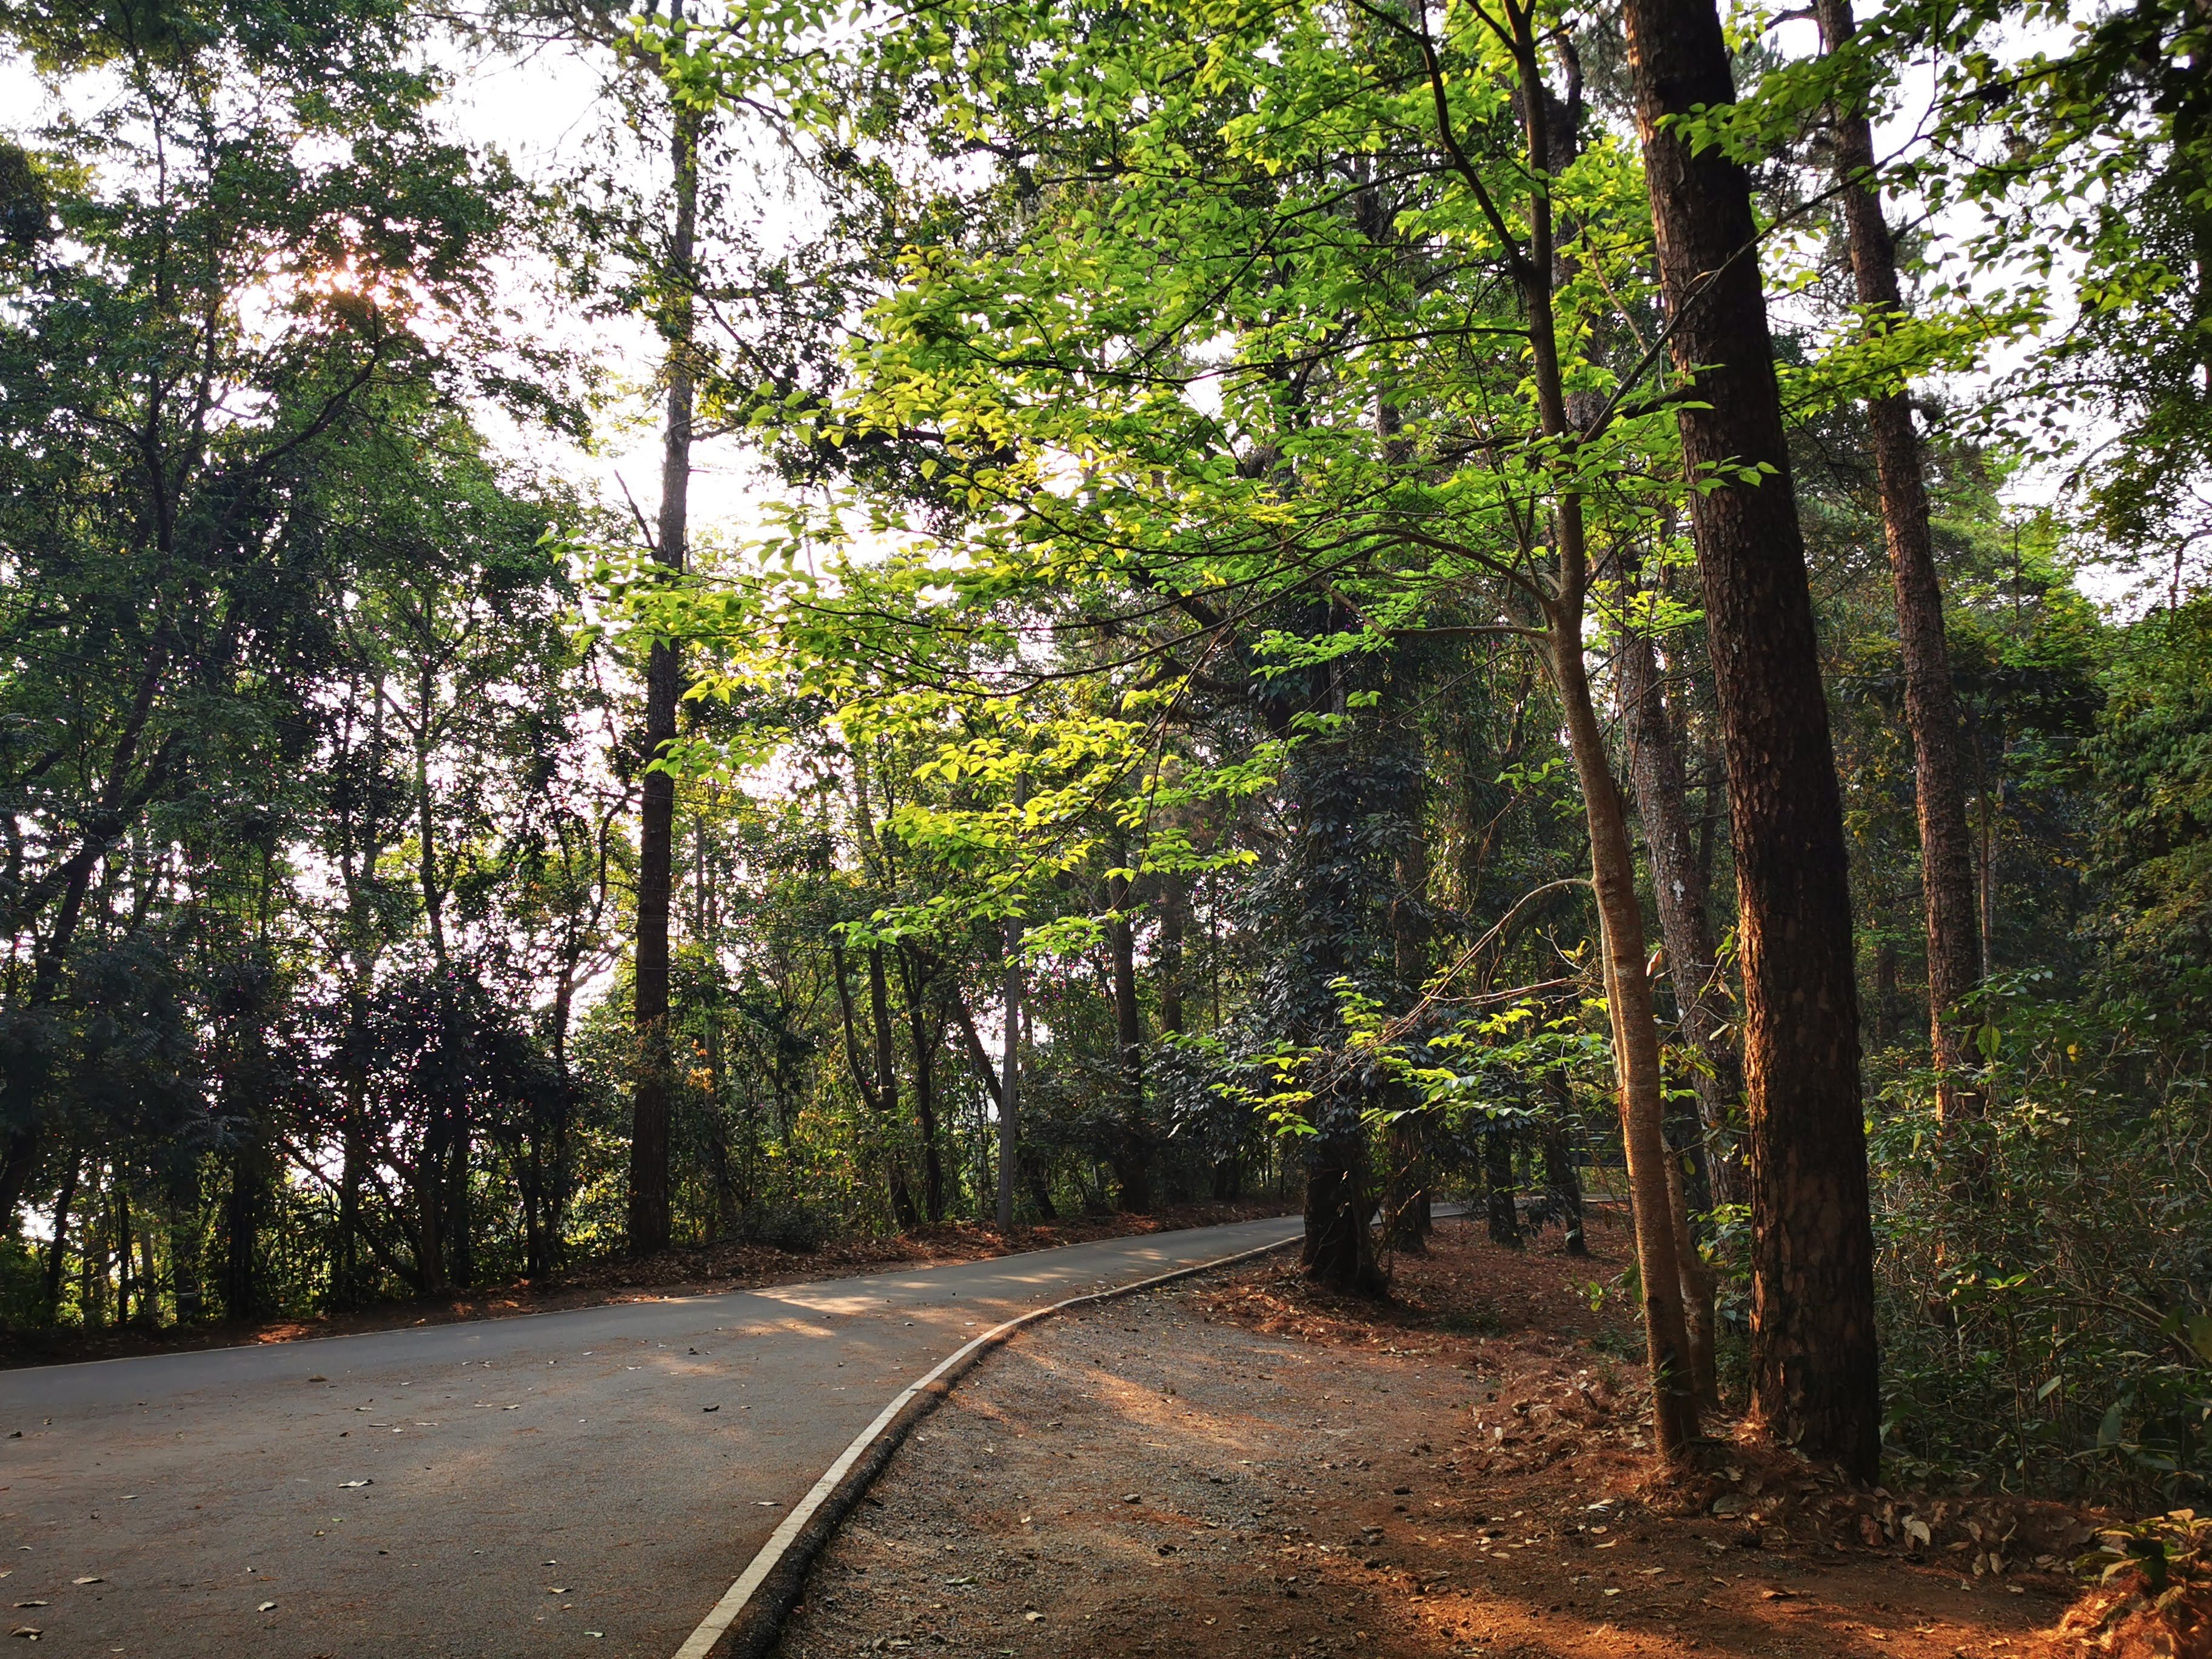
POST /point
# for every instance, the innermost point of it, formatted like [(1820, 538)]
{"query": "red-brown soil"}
[(694, 1272), (1241, 1468)]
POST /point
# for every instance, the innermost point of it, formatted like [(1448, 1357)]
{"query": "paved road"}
[(554, 1483)]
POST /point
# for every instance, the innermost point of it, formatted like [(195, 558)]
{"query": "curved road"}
[(573, 1483)]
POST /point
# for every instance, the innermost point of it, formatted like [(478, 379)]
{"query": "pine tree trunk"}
[(1814, 1381), (656, 839), (1931, 704)]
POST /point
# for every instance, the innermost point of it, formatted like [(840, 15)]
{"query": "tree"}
[(207, 281), (1931, 706), (1813, 1370)]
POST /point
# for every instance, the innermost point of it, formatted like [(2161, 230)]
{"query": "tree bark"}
[(241, 1228), (1500, 1198), (1535, 270), (1931, 703), (1612, 863), (650, 1106), (1814, 1377), (1655, 765), (1660, 1244), (1340, 1249)]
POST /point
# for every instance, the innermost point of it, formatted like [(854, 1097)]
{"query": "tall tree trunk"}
[(350, 1288), (1536, 269), (1553, 132), (1009, 1091), (430, 1206), (1133, 1160), (1931, 705), (652, 1098), (119, 1208), (1655, 765), (1814, 1377), (1656, 769), (1175, 924)]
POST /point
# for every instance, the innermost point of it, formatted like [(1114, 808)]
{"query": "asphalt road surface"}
[(581, 1483)]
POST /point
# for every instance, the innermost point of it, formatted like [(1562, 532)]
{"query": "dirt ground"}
[(693, 1272), (1235, 1467)]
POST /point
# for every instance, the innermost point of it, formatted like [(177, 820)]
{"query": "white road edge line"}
[(701, 1643)]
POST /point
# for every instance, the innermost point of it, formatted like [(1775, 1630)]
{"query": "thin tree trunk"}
[(1656, 769), (349, 1286), (1407, 1196), (1132, 1162), (460, 1228), (1655, 764), (118, 1201), (1931, 705), (1636, 1041), (1175, 924), (650, 1101), (1814, 1382), (1009, 1091), (1613, 868), (1563, 1178)]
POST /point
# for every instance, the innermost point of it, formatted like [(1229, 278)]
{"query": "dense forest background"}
[(1211, 694)]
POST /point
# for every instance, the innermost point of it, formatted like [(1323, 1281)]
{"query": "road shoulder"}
[(1234, 1467)]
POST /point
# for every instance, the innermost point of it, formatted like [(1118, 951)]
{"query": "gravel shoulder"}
[(1234, 1467)]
